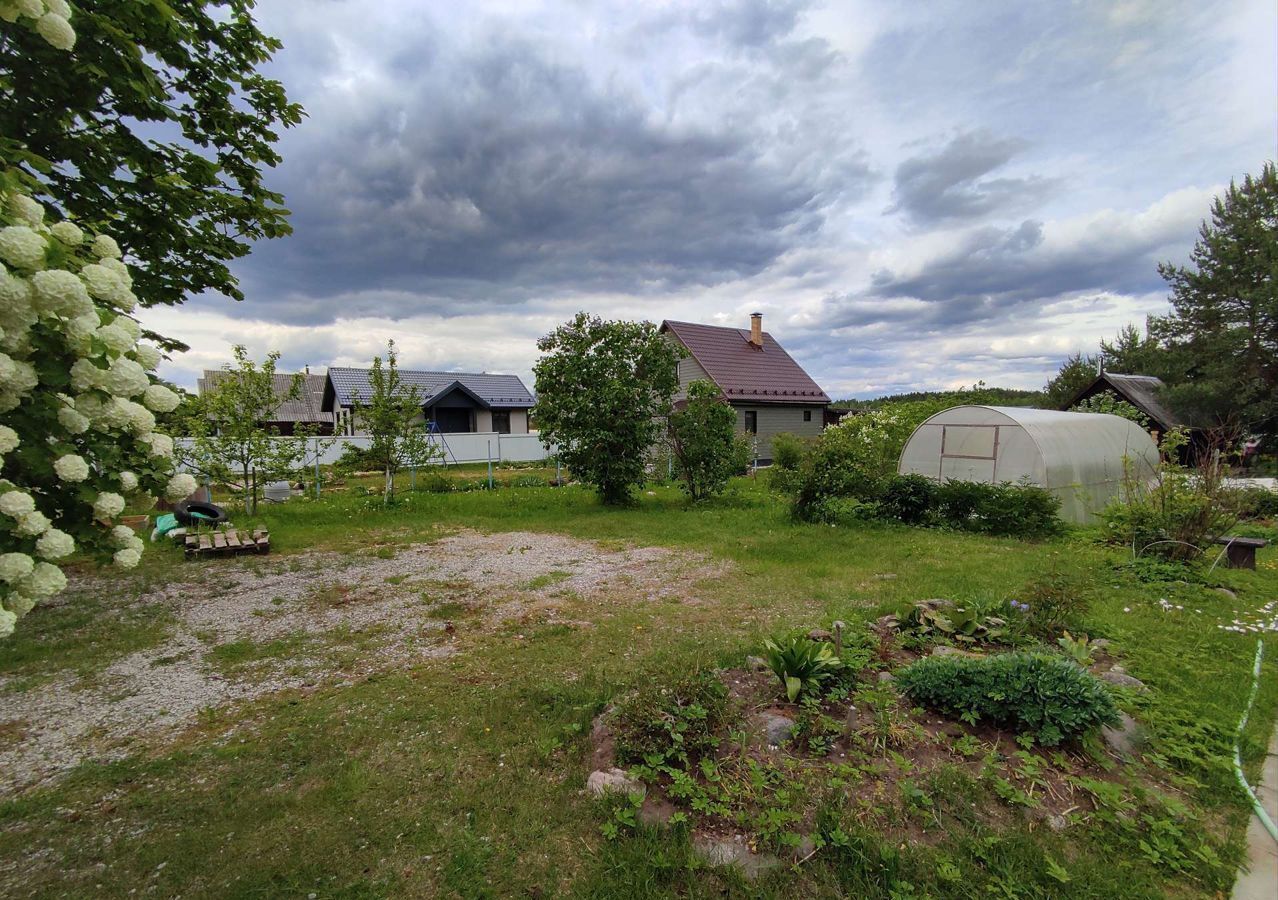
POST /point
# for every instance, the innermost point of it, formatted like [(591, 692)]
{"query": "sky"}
[(914, 195)]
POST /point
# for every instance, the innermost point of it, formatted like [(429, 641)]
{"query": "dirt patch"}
[(247, 627)]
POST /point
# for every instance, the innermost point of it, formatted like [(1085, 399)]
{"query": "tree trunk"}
[(390, 487), (248, 492)]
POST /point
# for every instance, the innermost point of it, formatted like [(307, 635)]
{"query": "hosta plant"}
[(801, 664)]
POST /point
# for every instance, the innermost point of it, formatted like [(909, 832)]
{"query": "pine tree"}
[(1224, 318)]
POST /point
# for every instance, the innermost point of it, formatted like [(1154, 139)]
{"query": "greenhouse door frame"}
[(993, 457)]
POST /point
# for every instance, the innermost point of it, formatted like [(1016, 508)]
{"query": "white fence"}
[(463, 447)]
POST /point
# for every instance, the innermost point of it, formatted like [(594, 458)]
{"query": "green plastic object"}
[(165, 523)]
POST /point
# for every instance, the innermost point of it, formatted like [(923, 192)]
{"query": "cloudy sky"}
[(915, 195)]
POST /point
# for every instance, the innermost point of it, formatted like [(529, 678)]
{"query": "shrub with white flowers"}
[(78, 399), (77, 393)]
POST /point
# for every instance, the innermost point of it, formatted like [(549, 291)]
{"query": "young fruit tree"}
[(603, 389), (229, 440), (703, 440), (392, 417)]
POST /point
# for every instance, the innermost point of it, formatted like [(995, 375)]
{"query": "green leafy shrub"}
[(1052, 602), (965, 622), (672, 723), (788, 453), (707, 450), (354, 459), (1017, 509), (909, 499), (801, 664), (1256, 503), (1078, 649), (1045, 696)]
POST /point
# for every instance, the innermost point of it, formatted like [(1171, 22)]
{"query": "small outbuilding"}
[(1080, 457)]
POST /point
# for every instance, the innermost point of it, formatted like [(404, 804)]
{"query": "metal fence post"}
[(317, 469), (490, 464)]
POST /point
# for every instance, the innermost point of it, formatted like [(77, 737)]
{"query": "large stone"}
[(886, 678), (1227, 592), (820, 634), (1124, 737), (756, 663), (733, 851), (1123, 680), (613, 780), (656, 810), (775, 728), (946, 650)]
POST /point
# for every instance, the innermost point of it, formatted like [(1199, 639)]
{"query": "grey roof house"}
[(305, 409), (457, 402), (771, 393)]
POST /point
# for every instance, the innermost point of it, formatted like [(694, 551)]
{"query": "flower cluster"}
[(75, 439), (51, 19)]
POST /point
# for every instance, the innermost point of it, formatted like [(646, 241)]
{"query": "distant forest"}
[(977, 393)]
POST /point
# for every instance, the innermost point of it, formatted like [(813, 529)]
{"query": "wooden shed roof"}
[(743, 371)]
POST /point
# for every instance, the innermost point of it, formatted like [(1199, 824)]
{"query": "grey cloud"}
[(950, 183), (497, 175)]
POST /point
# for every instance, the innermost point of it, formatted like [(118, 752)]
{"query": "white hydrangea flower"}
[(136, 543), (19, 604), (68, 233), (119, 268), (125, 378), (56, 30), (129, 482), (32, 9), (159, 398), (141, 420), (7, 367), (127, 558), (60, 292), (113, 415), (130, 326), (148, 357), (22, 247), (72, 420), (23, 377), (108, 505), (15, 293), (105, 247), (180, 486), (101, 281), (58, 7), (7, 621), (71, 468), (116, 338), (27, 209), (161, 445), (55, 544), (80, 329), (45, 581), (122, 536), (33, 524), (16, 504), (8, 439), (85, 376), (15, 566)]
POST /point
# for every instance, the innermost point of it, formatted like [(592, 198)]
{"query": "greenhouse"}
[(1079, 457)]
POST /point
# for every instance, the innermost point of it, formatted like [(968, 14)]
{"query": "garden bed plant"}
[(943, 715)]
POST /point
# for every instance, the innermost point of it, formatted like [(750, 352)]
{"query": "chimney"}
[(756, 329)]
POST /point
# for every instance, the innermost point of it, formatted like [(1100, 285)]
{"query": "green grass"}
[(462, 777), (545, 581)]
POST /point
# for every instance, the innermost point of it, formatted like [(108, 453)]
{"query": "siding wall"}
[(774, 420), (689, 371), (483, 422)]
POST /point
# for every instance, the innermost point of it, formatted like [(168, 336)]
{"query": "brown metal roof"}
[(743, 371), (306, 408)]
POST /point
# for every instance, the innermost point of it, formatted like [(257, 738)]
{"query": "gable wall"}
[(778, 419)]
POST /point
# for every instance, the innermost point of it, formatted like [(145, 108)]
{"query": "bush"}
[(788, 454), (909, 499), (1256, 503), (1054, 601), (676, 722), (354, 459), (707, 450), (1019, 509), (1045, 696)]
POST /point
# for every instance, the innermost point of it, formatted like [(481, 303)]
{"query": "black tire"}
[(188, 513)]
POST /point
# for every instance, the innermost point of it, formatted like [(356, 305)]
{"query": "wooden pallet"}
[(227, 543)]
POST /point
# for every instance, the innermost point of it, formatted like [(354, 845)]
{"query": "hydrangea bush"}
[(77, 397)]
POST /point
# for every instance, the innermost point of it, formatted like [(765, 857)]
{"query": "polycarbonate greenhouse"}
[(1079, 457)]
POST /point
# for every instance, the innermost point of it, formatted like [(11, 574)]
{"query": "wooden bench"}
[(1241, 551), (227, 543)]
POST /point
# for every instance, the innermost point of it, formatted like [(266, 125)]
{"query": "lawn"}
[(440, 746)]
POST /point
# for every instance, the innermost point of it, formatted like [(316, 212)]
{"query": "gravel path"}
[(317, 602)]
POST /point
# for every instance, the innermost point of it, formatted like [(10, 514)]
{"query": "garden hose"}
[(1242, 725)]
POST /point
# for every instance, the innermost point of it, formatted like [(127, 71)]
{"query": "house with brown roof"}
[(771, 393), (304, 409)]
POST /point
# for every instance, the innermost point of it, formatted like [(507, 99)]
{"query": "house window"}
[(501, 421), (752, 421), (807, 415)]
